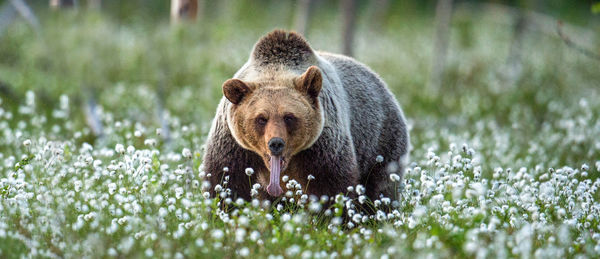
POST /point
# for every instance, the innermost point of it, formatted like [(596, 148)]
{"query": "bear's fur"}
[(334, 114)]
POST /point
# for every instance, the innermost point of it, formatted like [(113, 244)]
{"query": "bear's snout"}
[(276, 145)]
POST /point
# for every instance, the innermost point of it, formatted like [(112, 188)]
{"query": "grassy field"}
[(501, 165)]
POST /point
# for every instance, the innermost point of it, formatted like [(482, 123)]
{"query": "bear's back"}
[(376, 119)]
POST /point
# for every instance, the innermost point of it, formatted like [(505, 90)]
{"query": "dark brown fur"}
[(282, 48), (235, 159), (360, 120)]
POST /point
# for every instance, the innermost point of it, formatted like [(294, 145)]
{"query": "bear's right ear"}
[(235, 90)]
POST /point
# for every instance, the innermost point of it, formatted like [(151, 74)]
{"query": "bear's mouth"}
[(277, 164)]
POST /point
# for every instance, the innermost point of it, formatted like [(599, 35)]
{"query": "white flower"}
[(360, 189), (186, 153), (385, 200), (255, 235), (585, 167), (158, 199), (119, 148), (315, 207), (217, 234), (27, 143), (310, 177), (294, 250), (239, 201), (112, 188), (149, 252), (249, 171), (77, 185), (379, 159), (357, 218), (362, 199), (244, 252), (240, 235), (178, 192), (150, 142), (394, 177)]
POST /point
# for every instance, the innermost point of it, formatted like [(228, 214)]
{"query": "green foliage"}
[(595, 8)]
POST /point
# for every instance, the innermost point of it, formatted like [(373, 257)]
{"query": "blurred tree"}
[(348, 8), (94, 4), (302, 16), (378, 10), (7, 15), (514, 62), (89, 86), (443, 16), (26, 13), (62, 3), (570, 43), (184, 9)]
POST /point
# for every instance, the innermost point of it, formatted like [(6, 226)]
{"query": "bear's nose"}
[(276, 146)]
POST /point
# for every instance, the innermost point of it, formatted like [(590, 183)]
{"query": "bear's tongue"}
[(274, 189)]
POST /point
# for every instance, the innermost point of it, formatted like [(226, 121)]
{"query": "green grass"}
[(499, 166)]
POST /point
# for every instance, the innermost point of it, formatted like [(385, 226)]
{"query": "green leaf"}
[(25, 161), (596, 8)]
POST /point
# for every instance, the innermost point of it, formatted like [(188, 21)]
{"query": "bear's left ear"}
[(310, 82), (235, 90)]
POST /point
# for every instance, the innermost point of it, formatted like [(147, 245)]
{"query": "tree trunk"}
[(378, 10), (514, 61), (184, 10), (7, 14), (348, 8), (91, 112), (94, 4), (62, 3), (443, 16), (302, 16), (27, 13)]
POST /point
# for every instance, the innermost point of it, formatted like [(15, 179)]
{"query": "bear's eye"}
[(261, 121), (289, 118)]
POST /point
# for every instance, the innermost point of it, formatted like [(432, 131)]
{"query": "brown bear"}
[(297, 112)]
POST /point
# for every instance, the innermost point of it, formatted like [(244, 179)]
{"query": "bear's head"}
[(276, 119)]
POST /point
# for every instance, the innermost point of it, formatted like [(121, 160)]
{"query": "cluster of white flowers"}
[(132, 195)]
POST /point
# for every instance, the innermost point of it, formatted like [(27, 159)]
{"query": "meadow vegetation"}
[(502, 164)]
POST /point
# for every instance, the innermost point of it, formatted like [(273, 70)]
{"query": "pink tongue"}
[(274, 189)]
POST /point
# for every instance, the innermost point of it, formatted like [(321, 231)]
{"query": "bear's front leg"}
[(333, 165)]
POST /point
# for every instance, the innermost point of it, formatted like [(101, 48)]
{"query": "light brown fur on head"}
[(285, 107)]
